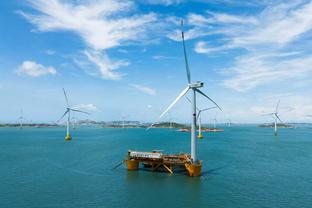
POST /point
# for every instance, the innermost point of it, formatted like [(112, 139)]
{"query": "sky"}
[(124, 58)]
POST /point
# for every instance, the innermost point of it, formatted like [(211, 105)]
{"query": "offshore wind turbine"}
[(20, 118), (229, 122), (194, 88), (276, 117), (123, 121), (215, 122), (200, 136), (67, 112)]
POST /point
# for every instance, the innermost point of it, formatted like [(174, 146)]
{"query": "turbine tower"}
[(194, 88), (67, 112)]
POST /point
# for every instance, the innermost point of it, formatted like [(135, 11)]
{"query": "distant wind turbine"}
[(20, 118), (123, 121), (200, 136), (276, 117), (229, 122), (194, 88), (67, 112), (215, 123)]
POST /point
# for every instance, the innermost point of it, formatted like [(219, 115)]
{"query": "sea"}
[(244, 166)]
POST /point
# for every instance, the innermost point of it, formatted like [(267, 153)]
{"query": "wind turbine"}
[(276, 117), (67, 112), (123, 121), (229, 122), (194, 88), (200, 136), (215, 123), (20, 118)]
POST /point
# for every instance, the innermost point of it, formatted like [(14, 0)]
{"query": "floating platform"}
[(157, 161)]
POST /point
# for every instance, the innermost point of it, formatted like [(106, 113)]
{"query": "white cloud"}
[(34, 69), (269, 43), (106, 67), (49, 52), (86, 107), (102, 24), (202, 47), (161, 57), (163, 2), (144, 89), (253, 70)]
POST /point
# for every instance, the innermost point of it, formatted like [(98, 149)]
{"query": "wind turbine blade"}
[(63, 116), (277, 105), (268, 114), (209, 108), (171, 105), (66, 97), (188, 74), (200, 92), (202, 110), (175, 101), (278, 118), (79, 111)]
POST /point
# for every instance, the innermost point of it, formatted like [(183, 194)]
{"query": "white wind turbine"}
[(123, 120), (67, 112), (276, 117), (215, 123), (229, 122), (20, 118), (194, 87), (200, 136)]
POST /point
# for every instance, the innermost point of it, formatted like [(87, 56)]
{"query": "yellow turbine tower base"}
[(132, 164), (194, 170), (68, 137), (199, 136)]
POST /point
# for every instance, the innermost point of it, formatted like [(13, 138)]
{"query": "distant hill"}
[(280, 125), (169, 124)]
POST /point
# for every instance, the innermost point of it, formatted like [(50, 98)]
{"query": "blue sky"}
[(125, 58)]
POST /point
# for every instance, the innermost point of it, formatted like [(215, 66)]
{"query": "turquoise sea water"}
[(244, 166)]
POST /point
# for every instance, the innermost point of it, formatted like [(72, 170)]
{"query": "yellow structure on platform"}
[(132, 164), (194, 169), (68, 137), (199, 136)]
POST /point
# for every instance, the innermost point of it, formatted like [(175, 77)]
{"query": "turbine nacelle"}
[(197, 84)]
